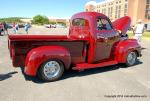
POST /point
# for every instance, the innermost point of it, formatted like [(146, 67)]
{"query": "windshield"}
[(103, 24)]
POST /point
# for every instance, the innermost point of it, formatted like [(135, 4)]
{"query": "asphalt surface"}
[(113, 83)]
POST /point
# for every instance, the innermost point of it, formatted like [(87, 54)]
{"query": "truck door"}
[(106, 36)]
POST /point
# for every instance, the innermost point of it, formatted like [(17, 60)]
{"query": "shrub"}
[(40, 20)]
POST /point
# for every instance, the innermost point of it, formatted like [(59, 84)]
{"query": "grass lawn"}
[(146, 35)]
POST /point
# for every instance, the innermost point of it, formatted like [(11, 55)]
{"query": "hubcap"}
[(51, 69), (131, 58)]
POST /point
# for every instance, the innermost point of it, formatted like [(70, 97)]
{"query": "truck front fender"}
[(124, 47), (39, 55)]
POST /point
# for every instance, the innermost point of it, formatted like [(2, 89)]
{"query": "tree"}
[(52, 22), (11, 20), (40, 20)]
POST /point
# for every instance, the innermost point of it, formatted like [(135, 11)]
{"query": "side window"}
[(103, 24), (79, 22)]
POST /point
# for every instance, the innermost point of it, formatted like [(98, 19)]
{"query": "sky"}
[(49, 8)]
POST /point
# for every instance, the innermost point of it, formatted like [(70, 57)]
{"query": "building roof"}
[(104, 2), (99, 3), (90, 3)]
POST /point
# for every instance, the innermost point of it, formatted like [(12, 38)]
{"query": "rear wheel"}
[(51, 70), (131, 58)]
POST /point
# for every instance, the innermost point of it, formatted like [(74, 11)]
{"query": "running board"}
[(83, 66)]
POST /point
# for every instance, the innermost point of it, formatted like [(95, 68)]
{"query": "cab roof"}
[(88, 15)]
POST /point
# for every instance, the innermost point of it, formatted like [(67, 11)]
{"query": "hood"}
[(122, 24)]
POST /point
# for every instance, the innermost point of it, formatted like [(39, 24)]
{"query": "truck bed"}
[(20, 45)]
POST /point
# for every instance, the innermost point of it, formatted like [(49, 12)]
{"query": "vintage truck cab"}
[(93, 41)]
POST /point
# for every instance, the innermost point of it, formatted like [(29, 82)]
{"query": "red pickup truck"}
[(93, 41)]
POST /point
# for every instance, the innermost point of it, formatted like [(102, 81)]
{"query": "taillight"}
[(12, 51), (84, 51)]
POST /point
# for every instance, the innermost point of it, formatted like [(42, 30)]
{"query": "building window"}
[(111, 11), (147, 10), (116, 11), (148, 2), (108, 12), (119, 11), (104, 11), (98, 11), (125, 9), (98, 6)]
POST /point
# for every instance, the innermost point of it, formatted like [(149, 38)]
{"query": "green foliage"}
[(52, 23), (40, 20), (11, 20)]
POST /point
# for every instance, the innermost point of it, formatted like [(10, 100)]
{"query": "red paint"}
[(89, 66), (123, 47), (39, 55), (122, 24), (85, 46)]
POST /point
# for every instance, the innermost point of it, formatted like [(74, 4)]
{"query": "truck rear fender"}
[(39, 55), (124, 47)]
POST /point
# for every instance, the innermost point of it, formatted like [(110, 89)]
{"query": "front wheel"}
[(51, 70), (131, 58)]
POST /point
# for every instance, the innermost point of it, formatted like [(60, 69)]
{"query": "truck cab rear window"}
[(79, 22)]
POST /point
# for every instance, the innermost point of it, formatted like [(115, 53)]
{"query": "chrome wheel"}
[(51, 69), (131, 58)]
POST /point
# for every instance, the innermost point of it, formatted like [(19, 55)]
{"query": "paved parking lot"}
[(101, 84)]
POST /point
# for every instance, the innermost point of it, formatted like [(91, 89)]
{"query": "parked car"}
[(9, 25), (59, 26), (93, 42), (50, 26), (21, 25)]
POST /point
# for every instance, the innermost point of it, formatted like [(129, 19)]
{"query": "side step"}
[(83, 66)]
